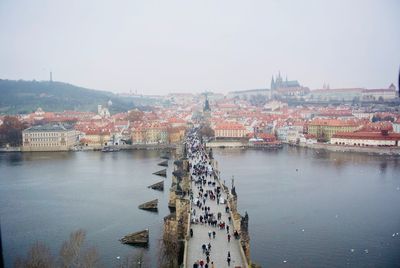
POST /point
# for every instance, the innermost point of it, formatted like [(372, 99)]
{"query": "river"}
[(307, 208)]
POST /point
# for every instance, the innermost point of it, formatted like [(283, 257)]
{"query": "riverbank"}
[(352, 149), (129, 147), (10, 149), (316, 146), (238, 144), (225, 144), (99, 148)]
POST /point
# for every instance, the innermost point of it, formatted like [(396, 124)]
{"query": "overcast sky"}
[(156, 47)]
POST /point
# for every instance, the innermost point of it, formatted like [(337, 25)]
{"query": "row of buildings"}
[(66, 130), (229, 118)]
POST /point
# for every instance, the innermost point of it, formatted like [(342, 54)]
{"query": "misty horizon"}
[(158, 48), (167, 92)]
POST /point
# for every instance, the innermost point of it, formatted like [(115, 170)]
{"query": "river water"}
[(307, 208)]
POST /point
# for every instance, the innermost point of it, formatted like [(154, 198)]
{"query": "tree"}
[(137, 260), (135, 115), (11, 131), (258, 100), (71, 255), (207, 131), (39, 256), (170, 249)]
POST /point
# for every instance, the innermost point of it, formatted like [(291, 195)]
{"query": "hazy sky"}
[(156, 47)]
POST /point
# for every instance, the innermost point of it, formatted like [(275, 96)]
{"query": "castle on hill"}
[(280, 83)]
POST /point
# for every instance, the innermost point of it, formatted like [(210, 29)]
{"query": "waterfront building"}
[(324, 129), (50, 137), (97, 137), (138, 135), (282, 132), (382, 138), (289, 133), (229, 130), (150, 133), (307, 139), (156, 133), (176, 134)]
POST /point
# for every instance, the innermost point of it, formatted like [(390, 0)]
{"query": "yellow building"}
[(176, 134), (96, 138), (138, 135), (324, 129), (150, 134), (229, 130), (156, 133), (51, 137)]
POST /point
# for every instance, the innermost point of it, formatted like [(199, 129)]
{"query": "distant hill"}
[(26, 96)]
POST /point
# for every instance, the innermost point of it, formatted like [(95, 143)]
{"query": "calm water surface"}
[(311, 208), (307, 208), (46, 196)]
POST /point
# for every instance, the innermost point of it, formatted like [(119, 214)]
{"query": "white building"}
[(380, 94), (274, 105), (290, 134), (381, 139), (103, 111)]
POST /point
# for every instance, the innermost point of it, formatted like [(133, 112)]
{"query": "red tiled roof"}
[(310, 136), (229, 126), (333, 123), (367, 135), (176, 120)]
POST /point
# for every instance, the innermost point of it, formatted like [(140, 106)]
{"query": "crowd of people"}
[(206, 190)]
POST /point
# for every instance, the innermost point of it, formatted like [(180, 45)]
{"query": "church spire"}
[(272, 82), (206, 105)]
